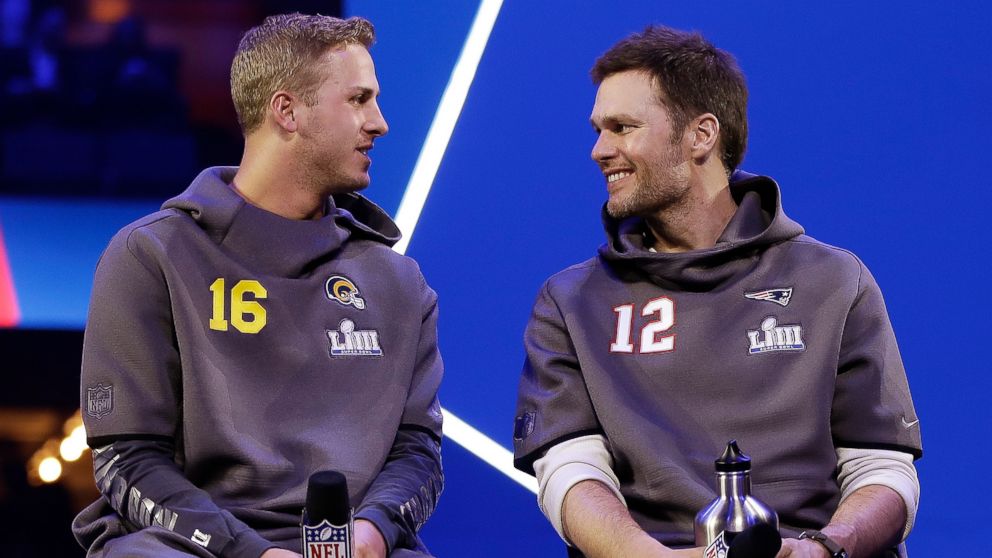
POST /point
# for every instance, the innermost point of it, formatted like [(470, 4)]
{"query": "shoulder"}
[(384, 259), (145, 237), (827, 256), (155, 226), (575, 275), (396, 275), (572, 284)]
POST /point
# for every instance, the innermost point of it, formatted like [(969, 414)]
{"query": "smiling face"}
[(645, 162), (338, 131)]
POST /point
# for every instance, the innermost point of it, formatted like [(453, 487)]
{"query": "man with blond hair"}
[(259, 328)]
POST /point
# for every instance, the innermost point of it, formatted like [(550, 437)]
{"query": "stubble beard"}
[(658, 189), (329, 175)]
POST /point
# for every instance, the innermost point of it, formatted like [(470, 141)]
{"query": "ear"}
[(284, 108), (704, 131)]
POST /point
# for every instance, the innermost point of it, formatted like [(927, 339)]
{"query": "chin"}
[(344, 187), (619, 208)]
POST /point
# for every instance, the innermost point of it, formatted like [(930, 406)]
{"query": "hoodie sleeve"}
[(131, 407), (405, 492), (552, 400), (872, 406)]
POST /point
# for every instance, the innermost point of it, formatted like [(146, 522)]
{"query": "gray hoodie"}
[(770, 338), (230, 353)]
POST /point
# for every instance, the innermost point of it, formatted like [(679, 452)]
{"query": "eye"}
[(621, 128), (360, 99)]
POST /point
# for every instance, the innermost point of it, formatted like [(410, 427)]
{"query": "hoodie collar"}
[(759, 222), (269, 243)]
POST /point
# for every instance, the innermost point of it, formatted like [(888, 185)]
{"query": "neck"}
[(697, 220), (266, 180)]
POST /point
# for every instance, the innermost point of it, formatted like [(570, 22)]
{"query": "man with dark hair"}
[(259, 329), (708, 316)]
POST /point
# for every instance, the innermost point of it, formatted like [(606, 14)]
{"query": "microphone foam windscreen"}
[(327, 498), (758, 541)]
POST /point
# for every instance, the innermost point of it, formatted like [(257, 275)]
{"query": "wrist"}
[(843, 534), (369, 540), (832, 548)]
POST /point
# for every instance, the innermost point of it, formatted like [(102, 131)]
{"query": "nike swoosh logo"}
[(910, 424)]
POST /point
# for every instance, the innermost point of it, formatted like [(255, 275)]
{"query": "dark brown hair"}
[(693, 77)]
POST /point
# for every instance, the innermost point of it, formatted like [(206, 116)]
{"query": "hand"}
[(795, 548), (368, 540), (686, 553), (279, 553)]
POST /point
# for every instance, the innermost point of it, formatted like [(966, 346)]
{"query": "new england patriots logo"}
[(343, 290), (778, 296)]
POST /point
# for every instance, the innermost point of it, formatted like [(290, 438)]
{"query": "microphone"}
[(761, 540), (327, 523)]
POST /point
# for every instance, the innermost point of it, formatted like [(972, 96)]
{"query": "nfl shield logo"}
[(99, 401), (326, 540), (717, 549)]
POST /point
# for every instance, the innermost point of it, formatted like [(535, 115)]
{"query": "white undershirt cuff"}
[(565, 465), (863, 467)]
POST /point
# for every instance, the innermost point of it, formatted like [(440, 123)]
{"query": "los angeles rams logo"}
[(343, 290)]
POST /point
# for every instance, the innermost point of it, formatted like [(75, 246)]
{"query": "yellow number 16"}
[(247, 316)]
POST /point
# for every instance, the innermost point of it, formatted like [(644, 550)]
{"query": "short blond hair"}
[(284, 53)]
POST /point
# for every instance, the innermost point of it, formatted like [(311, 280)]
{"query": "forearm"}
[(596, 522), (868, 521), (142, 483), (404, 494)]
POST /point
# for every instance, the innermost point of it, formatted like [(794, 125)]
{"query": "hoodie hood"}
[(275, 244), (758, 223)]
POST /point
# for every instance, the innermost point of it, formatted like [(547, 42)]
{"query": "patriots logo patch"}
[(343, 290), (778, 296)]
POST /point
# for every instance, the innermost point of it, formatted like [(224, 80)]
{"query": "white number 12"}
[(664, 307)]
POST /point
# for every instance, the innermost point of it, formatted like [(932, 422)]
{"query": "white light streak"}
[(485, 449), (443, 125), (415, 197)]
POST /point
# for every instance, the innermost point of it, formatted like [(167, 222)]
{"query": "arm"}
[(557, 438), (143, 484), (600, 525), (405, 492), (580, 495), (876, 433), (870, 520), (403, 495), (130, 377)]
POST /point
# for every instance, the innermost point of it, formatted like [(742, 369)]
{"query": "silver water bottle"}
[(734, 509)]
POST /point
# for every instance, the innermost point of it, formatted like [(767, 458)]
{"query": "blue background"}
[(873, 117)]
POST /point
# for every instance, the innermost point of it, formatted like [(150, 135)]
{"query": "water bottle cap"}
[(733, 460)]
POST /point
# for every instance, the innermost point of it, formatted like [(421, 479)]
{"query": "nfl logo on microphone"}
[(326, 541), (717, 549)]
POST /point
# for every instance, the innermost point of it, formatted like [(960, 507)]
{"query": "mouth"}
[(364, 149), (614, 178)]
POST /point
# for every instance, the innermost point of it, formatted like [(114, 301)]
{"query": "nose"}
[(604, 149), (375, 122)]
